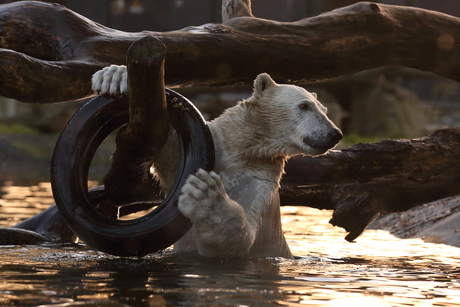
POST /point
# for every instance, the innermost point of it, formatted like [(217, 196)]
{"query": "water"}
[(377, 270)]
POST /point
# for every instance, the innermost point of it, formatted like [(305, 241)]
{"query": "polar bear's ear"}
[(262, 82)]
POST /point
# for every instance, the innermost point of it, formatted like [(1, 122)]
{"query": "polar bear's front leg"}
[(222, 227), (111, 81)]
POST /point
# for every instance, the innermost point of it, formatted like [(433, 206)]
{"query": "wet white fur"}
[(235, 209)]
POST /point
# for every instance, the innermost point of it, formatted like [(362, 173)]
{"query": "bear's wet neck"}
[(239, 142)]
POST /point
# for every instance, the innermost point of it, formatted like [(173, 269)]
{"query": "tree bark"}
[(363, 181), (42, 39)]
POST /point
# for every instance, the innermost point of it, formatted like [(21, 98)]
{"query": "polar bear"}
[(235, 209)]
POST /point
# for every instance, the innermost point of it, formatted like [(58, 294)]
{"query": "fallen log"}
[(363, 181), (41, 39)]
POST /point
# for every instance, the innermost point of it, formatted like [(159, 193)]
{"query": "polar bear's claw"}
[(211, 179), (194, 188), (200, 194)]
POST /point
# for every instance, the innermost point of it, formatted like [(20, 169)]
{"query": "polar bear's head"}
[(291, 119)]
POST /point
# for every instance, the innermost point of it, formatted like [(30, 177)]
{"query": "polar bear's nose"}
[(334, 136)]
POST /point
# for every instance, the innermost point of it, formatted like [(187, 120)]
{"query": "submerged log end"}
[(355, 213)]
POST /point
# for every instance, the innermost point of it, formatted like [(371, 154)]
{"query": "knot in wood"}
[(215, 28)]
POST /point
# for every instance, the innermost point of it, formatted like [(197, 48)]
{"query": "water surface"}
[(377, 270)]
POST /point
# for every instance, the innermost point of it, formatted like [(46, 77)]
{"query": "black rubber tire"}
[(72, 157)]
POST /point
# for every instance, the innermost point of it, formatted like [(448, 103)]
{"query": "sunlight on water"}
[(376, 270)]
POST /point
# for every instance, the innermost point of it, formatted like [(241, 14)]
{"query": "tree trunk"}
[(42, 39), (364, 180)]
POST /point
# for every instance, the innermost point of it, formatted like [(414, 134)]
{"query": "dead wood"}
[(363, 181), (49, 52)]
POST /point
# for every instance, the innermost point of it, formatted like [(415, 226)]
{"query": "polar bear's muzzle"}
[(323, 144)]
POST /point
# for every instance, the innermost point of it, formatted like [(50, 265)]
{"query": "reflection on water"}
[(377, 270)]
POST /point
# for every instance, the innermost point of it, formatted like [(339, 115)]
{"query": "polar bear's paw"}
[(203, 197), (111, 81), (220, 223)]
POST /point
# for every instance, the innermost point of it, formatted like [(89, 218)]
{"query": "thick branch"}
[(365, 35), (362, 181)]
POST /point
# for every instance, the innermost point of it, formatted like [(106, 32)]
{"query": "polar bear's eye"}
[(304, 106)]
